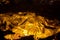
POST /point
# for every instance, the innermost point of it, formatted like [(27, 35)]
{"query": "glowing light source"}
[(29, 24)]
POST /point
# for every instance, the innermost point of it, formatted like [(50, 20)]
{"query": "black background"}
[(41, 8), (45, 8)]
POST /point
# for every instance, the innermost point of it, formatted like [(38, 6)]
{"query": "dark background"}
[(45, 8), (50, 10)]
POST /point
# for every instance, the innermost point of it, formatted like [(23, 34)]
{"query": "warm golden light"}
[(26, 24)]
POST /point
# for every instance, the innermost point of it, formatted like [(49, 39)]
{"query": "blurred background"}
[(47, 8)]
